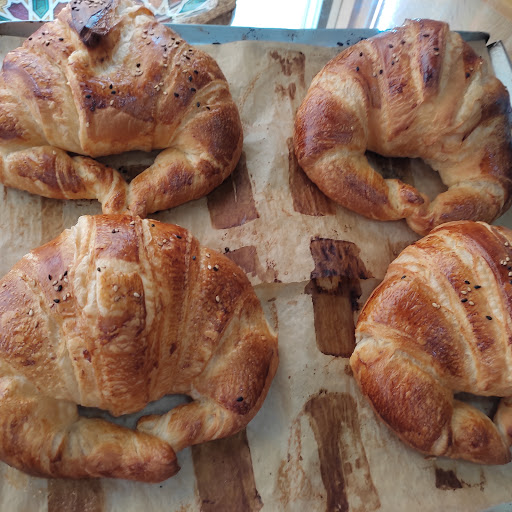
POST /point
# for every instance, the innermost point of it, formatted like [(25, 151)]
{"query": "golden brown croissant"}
[(113, 314), (105, 78), (415, 91), (441, 323)]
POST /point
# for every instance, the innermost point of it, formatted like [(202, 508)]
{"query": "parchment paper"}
[(315, 444)]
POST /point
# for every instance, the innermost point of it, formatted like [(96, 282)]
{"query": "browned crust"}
[(429, 331), (115, 313), (160, 94), (401, 93)]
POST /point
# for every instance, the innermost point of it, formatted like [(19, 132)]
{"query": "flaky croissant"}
[(415, 91), (113, 314), (105, 78), (441, 323)]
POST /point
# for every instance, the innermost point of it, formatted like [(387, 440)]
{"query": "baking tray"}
[(206, 34)]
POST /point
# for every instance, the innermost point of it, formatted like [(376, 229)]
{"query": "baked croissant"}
[(441, 323), (415, 91), (105, 78), (113, 314)]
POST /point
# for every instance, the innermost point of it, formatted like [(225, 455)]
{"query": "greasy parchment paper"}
[(315, 444)]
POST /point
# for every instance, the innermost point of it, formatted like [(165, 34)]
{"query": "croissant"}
[(104, 78), (441, 323), (416, 91), (114, 313)]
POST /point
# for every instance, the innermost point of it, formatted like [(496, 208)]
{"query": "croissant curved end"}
[(115, 313), (428, 332)]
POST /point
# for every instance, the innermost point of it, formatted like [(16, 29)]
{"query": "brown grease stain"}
[(75, 496), (307, 197), (232, 203), (343, 464), (291, 65), (247, 259), (292, 480), (335, 291), (224, 474), (447, 480), (289, 91), (337, 258)]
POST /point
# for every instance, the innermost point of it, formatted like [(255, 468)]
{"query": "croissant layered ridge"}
[(109, 79), (416, 91), (115, 313), (440, 323)]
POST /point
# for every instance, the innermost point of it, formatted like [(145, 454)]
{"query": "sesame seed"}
[(54, 282), (434, 304), (66, 280), (209, 267), (116, 287), (506, 244), (380, 72), (98, 269), (50, 277), (56, 301), (60, 277), (436, 53), (216, 268), (117, 298), (4, 285), (87, 96), (137, 295), (464, 300), (132, 223), (469, 289), (193, 257), (464, 292), (217, 299), (477, 287), (30, 312), (471, 303), (357, 68), (111, 102), (87, 124), (507, 259), (403, 277), (467, 282), (176, 95), (488, 317), (68, 295)]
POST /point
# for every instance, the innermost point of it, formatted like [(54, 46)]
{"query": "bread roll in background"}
[(106, 78), (416, 91)]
